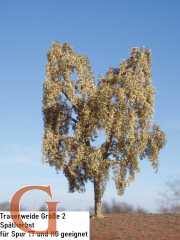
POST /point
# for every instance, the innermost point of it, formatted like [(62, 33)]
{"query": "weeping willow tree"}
[(125, 121)]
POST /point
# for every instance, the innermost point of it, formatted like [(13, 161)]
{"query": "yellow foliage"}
[(125, 122)]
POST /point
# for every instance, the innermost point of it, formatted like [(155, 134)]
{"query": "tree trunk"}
[(97, 198)]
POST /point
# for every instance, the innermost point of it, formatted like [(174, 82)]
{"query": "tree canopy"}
[(126, 121)]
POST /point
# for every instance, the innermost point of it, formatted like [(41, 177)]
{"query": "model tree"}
[(125, 121)]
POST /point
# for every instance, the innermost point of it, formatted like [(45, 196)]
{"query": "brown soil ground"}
[(136, 226)]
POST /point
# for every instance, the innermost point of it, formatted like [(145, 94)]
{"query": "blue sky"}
[(104, 31)]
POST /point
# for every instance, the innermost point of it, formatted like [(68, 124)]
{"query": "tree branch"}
[(73, 119), (77, 109)]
